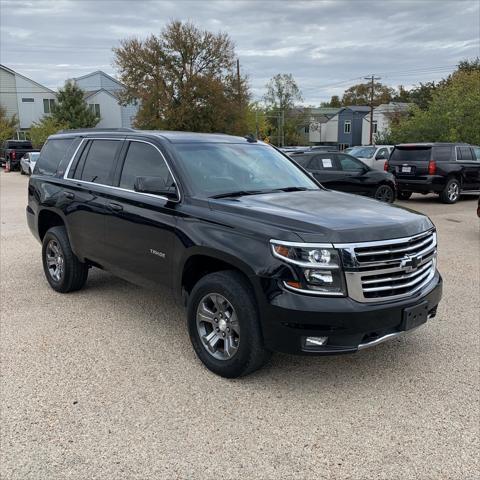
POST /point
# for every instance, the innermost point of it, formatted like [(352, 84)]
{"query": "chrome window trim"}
[(120, 188)]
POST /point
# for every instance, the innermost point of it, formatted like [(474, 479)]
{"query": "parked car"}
[(374, 156), (263, 257), (345, 173), (448, 169), (12, 151), (27, 162)]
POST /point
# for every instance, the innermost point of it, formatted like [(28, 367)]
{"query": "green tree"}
[(8, 125), (360, 94), (184, 79), (40, 131), (422, 94), (333, 103), (71, 109), (451, 116), (282, 93), (402, 95)]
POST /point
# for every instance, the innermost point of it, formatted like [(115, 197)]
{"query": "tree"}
[(184, 79), (280, 98), (8, 125), (452, 115), (40, 131), (402, 95), (333, 103), (422, 94), (360, 94), (71, 109)]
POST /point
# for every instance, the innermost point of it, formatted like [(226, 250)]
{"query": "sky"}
[(326, 45)]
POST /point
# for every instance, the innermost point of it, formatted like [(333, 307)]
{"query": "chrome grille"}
[(389, 269)]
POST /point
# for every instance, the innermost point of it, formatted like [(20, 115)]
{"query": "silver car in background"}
[(374, 156), (27, 162)]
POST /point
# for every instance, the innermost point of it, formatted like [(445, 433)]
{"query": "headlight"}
[(319, 266)]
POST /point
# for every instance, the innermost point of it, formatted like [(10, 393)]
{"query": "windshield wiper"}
[(240, 193), (291, 189)]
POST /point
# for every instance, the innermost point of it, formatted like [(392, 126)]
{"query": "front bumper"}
[(288, 318)]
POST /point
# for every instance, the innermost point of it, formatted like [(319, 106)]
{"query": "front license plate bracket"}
[(415, 316)]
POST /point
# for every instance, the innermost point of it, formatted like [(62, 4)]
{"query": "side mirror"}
[(155, 186)]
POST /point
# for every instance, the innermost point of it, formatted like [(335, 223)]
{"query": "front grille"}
[(391, 269)]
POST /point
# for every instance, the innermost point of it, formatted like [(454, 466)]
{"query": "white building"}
[(101, 95), (382, 118), (24, 98)]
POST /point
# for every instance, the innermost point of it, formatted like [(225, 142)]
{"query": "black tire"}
[(385, 193), (74, 273), (251, 354), (451, 193), (404, 195)]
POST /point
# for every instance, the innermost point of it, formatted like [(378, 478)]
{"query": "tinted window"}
[(322, 162), (383, 153), (464, 153), (19, 145), (476, 151), (51, 155), (302, 159), (411, 154), (99, 161), (442, 154), (143, 160), (350, 164)]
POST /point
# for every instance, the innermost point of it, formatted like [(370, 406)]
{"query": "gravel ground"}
[(103, 383)]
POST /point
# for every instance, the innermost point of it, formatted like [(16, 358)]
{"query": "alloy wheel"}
[(384, 193), (55, 260), (218, 326), (453, 191)]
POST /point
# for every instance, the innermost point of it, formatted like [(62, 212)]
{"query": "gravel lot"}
[(103, 383)]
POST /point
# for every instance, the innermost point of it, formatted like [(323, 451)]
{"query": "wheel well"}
[(198, 266), (46, 220)]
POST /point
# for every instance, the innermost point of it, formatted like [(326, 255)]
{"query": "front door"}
[(140, 227)]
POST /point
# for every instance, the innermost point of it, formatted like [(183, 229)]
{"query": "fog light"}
[(319, 277), (315, 341)]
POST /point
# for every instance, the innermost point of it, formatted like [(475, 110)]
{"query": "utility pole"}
[(283, 127), (238, 82), (372, 88)]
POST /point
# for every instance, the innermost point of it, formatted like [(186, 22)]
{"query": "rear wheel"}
[(385, 193), (64, 272), (404, 195), (451, 192), (223, 325)]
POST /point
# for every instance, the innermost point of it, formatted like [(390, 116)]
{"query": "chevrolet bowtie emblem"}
[(410, 263)]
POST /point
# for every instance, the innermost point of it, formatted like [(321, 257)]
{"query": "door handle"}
[(115, 207), (68, 195)]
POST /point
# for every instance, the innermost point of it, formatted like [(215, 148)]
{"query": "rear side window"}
[(464, 153), (411, 154), (99, 161), (51, 155), (349, 164), (143, 160), (442, 154), (301, 159), (323, 162), (476, 151), (19, 145)]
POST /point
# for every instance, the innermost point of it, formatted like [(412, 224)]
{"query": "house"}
[(101, 95), (382, 118), (24, 98), (317, 120), (343, 128)]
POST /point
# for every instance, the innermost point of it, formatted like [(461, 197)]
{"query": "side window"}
[(442, 154), (464, 153), (51, 155), (99, 161), (476, 152), (382, 154), (322, 162), (301, 159), (350, 164), (347, 126), (143, 160)]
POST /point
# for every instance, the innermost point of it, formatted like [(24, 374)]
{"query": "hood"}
[(327, 216)]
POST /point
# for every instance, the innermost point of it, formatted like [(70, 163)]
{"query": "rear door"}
[(85, 195), (466, 156), (411, 161), (325, 169), (380, 158), (140, 227)]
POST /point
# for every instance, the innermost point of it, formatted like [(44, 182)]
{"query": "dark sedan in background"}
[(339, 171)]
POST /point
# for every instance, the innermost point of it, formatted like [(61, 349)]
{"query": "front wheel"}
[(224, 326), (385, 193), (451, 192), (64, 271)]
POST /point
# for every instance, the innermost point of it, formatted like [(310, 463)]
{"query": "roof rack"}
[(97, 130)]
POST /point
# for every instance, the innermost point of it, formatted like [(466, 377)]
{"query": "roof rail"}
[(97, 130)]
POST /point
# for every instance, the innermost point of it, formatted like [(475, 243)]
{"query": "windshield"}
[(363, 152), (219, 168)]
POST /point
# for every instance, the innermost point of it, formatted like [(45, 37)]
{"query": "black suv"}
[(448, 169), (264, 258), (345, 173)]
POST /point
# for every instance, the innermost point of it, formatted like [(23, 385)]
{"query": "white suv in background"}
[(373, 156)]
